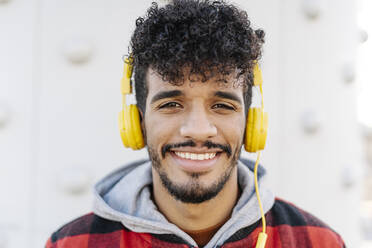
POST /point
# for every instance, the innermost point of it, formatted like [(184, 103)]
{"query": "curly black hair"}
[(204, 36)]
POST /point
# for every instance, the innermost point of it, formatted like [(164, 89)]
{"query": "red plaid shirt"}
[(287, 227)]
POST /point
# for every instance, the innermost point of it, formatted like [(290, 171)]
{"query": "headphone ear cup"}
[(249, 134), (256, 130), (263, 130), (136, 127), (130, 128), (122, 129)]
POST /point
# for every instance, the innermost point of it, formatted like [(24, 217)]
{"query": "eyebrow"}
[(166, 94), (228, 95)]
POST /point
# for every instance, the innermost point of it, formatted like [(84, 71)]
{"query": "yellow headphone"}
[(130, 128), (255, 133), (129, 121)]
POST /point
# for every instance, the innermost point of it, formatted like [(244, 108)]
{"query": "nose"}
[(198, 126)]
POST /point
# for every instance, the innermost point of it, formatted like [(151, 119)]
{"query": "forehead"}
[(195, 86)]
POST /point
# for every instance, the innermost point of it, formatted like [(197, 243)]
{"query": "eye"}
[(170, 105), (223, 106)]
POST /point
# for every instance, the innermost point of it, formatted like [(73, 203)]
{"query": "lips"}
[(195, 162), (191, 158), (207, 145), (196, 156)]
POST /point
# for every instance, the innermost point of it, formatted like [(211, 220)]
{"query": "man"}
[(193, 70)]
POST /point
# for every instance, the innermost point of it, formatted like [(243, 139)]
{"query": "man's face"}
[(194, 134)]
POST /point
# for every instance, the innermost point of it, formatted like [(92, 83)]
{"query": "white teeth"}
[(195, 156)]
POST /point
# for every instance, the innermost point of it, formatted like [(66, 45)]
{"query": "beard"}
[(193, 191)]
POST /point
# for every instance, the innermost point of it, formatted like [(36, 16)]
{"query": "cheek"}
[(234, 130), (158, 131)]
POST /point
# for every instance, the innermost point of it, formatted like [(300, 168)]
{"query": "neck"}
[(194, 217)]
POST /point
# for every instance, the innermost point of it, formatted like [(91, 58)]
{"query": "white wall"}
[(62, 132), (16, 110), (316, 167)]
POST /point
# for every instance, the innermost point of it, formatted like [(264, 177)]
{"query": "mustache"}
[(190, 143)]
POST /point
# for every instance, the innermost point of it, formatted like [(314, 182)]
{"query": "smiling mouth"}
[(196, 156), (191, 162)]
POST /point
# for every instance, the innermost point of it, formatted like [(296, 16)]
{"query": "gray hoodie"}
[(125, 196)]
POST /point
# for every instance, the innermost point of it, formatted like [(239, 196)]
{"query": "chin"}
[(192, 179), (194, 186)]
